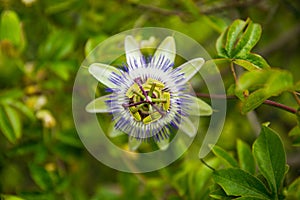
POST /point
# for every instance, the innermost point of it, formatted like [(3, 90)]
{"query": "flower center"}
[(148, 101)]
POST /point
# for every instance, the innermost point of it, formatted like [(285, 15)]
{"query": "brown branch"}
[(281, 106), (202, 9), (159, 10), (295, 94), (233, 72), (222, 7), (267, 102)]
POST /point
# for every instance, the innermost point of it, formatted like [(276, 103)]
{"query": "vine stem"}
[(207, 165), (233, 72), (296, 97), (267, 102)]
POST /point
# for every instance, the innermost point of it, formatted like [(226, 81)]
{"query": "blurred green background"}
[(42, 44)]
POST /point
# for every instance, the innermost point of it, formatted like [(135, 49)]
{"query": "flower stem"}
[(267, 102)]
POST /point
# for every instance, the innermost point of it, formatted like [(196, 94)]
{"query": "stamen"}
[(151, 89), (139, 94), (139, 82), (146, 104)]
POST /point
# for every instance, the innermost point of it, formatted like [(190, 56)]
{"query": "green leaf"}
[(193, 178), (252, 80), (58, 45), (10, 94), (234, 31), (198, 107), (246, 64), (41, 177), (297, 86), (24, 149), (254, 100), (237, 41), (15, 121), (256, 60), (220, 45), (242, 36), (298, 116), (269, 153), (69, 138), (221, 153), (61, 69), (10, 27), (248, 40), (245, 156), (267, 82), (59, 7), (295, 131), (92, 43), (293, 191), (10, 197), (237, 182), (202, 177), (10, 123), (218, 193), (22, 108), (278, 82), (216, 22), (191, 7), (252, 62), (295, 134)]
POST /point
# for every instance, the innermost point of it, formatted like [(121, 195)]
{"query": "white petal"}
[(199, 107), (163, 144), (133, 53), (166, 49), (98, 105), (188, 127), (133, 143), (190, 68), (103, 72)]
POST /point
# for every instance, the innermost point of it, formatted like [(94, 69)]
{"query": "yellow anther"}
[(151, 89), (134, 112), (152, 118), (166, 105), (158, 84), (137, 116), (132, 90), (133, 109), (151, 107)]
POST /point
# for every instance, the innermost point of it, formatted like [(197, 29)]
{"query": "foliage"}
[(241, 179), (42, 44)]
